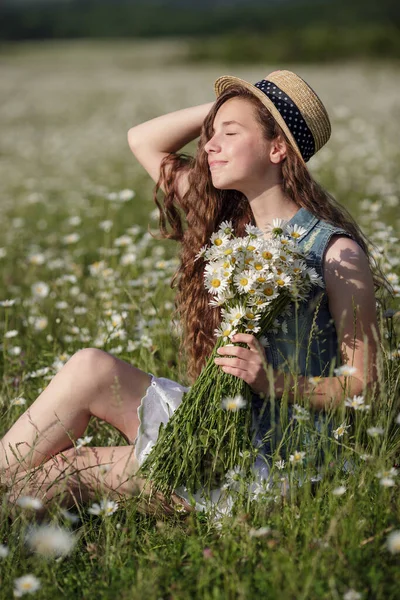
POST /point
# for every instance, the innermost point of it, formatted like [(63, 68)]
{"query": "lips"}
[(217, 163)]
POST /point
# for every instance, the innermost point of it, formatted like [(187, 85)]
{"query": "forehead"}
[(236, 109)]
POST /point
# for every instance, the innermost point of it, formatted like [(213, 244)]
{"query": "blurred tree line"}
[(228, 30)]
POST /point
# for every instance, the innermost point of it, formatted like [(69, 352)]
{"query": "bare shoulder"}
[(346, 263)]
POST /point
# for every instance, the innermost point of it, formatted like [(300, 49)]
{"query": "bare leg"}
[(85, 386), (76, 476), (92, 383)]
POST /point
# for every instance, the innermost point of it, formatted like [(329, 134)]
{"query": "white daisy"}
[(50, 540), (233, 478), (393, 542), (27, 584), (80, 442), (340, 431), (225, 331), (339, 491), (215, 283), (234, 404), (295, 231), (29, 502), (357, 403), (4, 551), (226, 227), (11, 333), (40, 289), (244, 281), (346, 370), (219, 239), (105, 508), (297, 457), (375, 431)]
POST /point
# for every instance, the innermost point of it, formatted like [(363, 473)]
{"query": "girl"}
[(250, 167)]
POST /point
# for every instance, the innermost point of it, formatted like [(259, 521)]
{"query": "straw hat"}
[(293, 104)]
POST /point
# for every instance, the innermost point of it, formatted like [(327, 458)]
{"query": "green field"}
[(81, 270)]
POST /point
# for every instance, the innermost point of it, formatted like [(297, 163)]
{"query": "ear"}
[(278, 150)]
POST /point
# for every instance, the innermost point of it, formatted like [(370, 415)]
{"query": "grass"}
[(64, 163)]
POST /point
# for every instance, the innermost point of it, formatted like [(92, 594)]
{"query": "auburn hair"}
[(197, 214)]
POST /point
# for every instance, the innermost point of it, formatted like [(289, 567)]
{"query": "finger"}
[(249, 339), (245, 375), (239, 351), (232, 362)]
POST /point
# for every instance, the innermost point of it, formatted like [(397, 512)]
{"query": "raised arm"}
[(152, 140)]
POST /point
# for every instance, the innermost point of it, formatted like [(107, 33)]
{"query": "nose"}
[(211, 145)]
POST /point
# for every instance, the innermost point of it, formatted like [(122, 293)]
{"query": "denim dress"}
[(309, 347)]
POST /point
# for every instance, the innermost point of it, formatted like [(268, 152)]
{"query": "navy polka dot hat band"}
[(293, 104)]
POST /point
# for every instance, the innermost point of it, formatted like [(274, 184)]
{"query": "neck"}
[(271, 204)]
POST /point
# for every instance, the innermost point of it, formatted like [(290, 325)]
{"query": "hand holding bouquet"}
[(252, 280)]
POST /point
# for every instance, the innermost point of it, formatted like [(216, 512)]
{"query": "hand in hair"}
[(249, 364)]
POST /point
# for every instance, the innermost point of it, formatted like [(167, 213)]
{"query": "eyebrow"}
[(230, 123)]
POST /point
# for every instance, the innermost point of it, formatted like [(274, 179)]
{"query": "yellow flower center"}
[(280, 282), (268, 291), (295, 234), (258, 266), (228, 251), (218, 242), (215, 283), (251, 248), (267, 255), (244, 281), (249, 315), (261, 279), (226, 332)]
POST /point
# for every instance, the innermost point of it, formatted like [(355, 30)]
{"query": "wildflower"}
[(225, 331), (36, 259), (233, 478), (104, 509), (207, 553), (29, 502), (7, 303), (71, 238), (4, 551), (27, 584), (345, 370), (387, 473), (234, 404), (69, 516), (40, 289), (106, 225), (260, 532), (314, 380), (365, 457), (393, 542), (340, 431), (375, 431), (387, 482), (352, 595), (50, 540), (357, 403), (295, 231), (10, 334), (339, 491), (15, 350), (301, 414), (39, 323), (20, 401), (297, 457), (280, 464), (126, 195), (123, 240), (83, 441)]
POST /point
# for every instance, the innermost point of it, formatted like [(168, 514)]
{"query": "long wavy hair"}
[(194, 216)]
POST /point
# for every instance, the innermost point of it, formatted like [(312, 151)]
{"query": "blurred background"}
[(229, 30)]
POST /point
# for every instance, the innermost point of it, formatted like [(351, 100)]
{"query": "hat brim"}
[(226, 81)]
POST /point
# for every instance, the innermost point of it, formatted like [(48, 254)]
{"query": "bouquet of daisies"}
[(252, 280)]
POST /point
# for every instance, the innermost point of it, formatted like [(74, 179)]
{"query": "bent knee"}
[(95, 364)]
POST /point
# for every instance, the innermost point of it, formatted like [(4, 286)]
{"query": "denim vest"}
[(310, 346)]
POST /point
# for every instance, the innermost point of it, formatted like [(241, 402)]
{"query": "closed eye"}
[(230, 134)]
